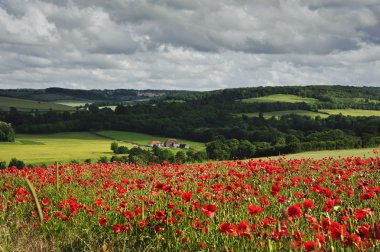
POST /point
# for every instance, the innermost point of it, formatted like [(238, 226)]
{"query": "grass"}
[(27, 105), (268, 115), (280, 98), (62, 147), (365, 152), (113, 107), (144, 139), (351, 112)]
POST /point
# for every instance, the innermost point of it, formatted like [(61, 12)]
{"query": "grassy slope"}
[(143, 139), (286, 112), (352, 112), (28, 105), (280, 98), (366, 152), (63, 147)]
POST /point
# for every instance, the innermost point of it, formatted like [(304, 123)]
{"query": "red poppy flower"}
[(310, 245), (264, 200), (365, 231), (336, 230), (45, 202), (186, 196), (160, 215), (362, 213), (295, 211), (103, 221), (128, 215), (275, 189), (170, 205), (209, 210), (142, 223), (118, 228), (254, 209), (158, 228), (308, 203)]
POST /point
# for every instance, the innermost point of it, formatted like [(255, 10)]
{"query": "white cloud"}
[(180, 44)]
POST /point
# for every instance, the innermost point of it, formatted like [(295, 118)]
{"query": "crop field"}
[(62, 147), (257, 205), (27, 105), (143, 139), (278, 114), (280, 98), (351, 112)]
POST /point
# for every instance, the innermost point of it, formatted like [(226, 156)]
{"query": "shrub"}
[(19, 164), (103, 159), (3, 165)]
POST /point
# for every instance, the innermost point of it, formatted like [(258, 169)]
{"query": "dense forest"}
[(213, 117)]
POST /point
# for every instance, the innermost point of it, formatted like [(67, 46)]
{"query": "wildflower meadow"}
[(256, 205)]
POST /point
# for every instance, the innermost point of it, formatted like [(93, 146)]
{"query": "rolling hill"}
[(28, 105)]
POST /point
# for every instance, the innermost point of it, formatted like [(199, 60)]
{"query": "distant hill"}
[(56, 94), (28, 105)]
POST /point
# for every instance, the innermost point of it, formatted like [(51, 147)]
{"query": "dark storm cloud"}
[(185, 44)]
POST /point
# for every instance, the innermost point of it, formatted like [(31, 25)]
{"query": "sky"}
[(188, 44)]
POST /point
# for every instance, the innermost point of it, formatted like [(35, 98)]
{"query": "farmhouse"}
[(170, 143), (155, 143)]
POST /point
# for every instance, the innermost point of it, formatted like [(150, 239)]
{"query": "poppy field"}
[(256, 205)]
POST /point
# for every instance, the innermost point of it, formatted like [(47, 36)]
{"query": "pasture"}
[(62, 147), (28, 105), (280, 98), (351, 112), (278, 114)]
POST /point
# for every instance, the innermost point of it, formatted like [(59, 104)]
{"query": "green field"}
[(113, 107), (280, 98), (74, 103), (351, 112), (27, 105), (62, 147), (144, 139), (366, 152), (277, 114)]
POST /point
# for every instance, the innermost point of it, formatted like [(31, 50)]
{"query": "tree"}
[(246, 149), (7, 133), (122, 150), (114, 146), (181, 156), (218, 150)]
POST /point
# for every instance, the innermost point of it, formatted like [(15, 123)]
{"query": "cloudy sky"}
[(188, 44)]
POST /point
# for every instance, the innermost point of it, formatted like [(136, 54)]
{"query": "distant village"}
[(170, 143)]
